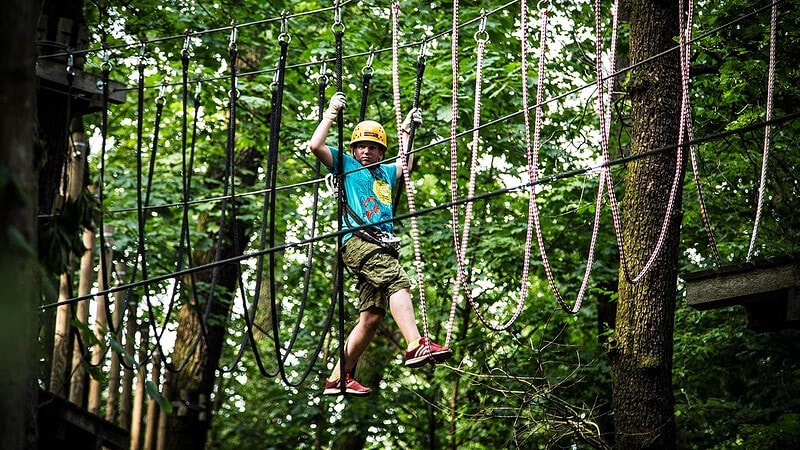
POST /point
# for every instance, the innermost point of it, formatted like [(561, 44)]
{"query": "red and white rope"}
[(676, 180), (686, 19), (404, 163), (767, 130)]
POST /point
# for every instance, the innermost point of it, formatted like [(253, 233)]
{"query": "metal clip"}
[(234, 34), (70, 65), (482, 34), (284, 37), (161, 99), (367, 69), (186, 42)]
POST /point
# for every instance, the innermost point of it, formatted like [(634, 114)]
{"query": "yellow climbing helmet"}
[(371, 131)]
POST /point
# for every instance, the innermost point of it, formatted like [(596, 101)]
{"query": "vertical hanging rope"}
[(338, 33), (413, 131), (283, 40), (767, 130), (106, 72), (686, 37), (404, 146), (140, 253), (228, 172), (686, 18)]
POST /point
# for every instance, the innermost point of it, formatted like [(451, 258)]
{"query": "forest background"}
[(546, 380)]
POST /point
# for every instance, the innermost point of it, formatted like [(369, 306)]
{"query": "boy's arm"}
[(317, 143), (414, 115)]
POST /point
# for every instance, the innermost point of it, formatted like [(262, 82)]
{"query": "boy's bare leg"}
[(359, 338), (403, 313)]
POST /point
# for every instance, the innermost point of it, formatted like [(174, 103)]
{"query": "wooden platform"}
[(63, 424), (769, 291), (87, 89)]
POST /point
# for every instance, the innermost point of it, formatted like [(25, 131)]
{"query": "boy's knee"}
[(372, 319)]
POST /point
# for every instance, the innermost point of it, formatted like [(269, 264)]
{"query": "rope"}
[(421, 212), (405, 147), (686, 18), (200, 33), (338, 31), (187, 168), (604, 113), (481, 39), (686, 39), (412, 132), (530, 156), (767, 130)]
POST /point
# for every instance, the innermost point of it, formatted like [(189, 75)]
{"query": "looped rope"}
[(767, 130), (404, 146)]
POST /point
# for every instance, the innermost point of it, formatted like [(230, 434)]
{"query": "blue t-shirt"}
[(369, 192)]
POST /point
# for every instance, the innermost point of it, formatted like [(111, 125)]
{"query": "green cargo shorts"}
[(380, 275)]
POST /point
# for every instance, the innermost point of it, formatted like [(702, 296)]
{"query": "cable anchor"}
[(482, 34), (338, 26), (284, 37), (423, 49), (367, 69), (70, 64), (162, 99), (234, 33), (186, 45)]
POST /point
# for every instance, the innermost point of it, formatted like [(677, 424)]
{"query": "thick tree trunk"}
[(641, 355), (187, 427), (18, 300)]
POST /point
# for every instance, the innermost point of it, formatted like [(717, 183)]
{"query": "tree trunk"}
[(187, 427), (18, 317), (641, 355)]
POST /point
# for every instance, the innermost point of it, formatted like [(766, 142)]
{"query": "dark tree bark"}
[(641, 354), (18, 301), (187, 427)]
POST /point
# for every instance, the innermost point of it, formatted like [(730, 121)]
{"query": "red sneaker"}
[(352, 387), (427, 352)]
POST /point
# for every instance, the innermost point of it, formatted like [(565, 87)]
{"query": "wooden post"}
[(126, 405), (77, 389), (74, 185), (151, 432), (112, 401), (137, 412), (59, 369), (100, 328)]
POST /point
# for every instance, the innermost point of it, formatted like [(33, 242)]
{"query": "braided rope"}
[(686, 121), (481, 38), (605, 127), (767, 130), (534, 209), (460, 278), (406, 175)]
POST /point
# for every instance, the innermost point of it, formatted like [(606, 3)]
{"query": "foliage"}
[(545, 381)]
